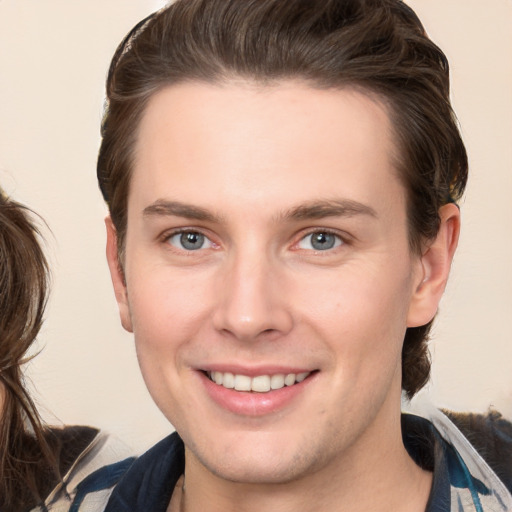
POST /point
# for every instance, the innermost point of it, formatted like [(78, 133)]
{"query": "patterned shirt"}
[(462, 480), (88, 481)]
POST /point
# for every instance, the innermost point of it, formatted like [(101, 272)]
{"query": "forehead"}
[(266, 144)]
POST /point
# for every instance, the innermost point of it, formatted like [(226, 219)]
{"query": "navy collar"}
[(150, 481)]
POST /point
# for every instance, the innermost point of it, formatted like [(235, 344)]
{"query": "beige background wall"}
[(53, 59)]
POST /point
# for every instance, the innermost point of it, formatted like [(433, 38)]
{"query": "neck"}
[(375, 473)]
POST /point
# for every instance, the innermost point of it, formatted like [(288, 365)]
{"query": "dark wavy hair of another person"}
[(378, 47), (27, 450)]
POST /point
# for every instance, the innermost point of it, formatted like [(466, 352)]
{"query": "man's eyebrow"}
[(329, 208), (306, 211), (162, 207)]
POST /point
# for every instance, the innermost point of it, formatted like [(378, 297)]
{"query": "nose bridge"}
[(250, 303)]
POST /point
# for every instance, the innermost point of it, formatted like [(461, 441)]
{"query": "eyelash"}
[(340, 241), (166, 238)]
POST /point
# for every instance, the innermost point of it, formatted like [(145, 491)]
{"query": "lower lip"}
[(252, 403)]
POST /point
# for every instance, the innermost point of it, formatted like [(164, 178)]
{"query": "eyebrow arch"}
[(161, 207), (329, 208)]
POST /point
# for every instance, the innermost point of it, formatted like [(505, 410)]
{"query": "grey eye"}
[(320, 241), (190, 241)]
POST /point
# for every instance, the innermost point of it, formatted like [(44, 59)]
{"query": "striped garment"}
[(88, 482)]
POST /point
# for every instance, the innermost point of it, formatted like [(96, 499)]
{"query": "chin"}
[(261, 461), (260, 472)]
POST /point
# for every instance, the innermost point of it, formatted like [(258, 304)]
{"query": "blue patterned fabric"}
[(88, 482), (462, 482), (149, 483), (463, 479), (101, 479)]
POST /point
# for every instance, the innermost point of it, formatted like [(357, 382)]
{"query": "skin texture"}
[(257, 170)]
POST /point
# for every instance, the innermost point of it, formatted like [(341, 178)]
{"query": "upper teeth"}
[(260, 384)]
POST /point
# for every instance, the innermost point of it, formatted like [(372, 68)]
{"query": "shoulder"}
[(471, 455), (90, 463), (491, 436), (150, 481)]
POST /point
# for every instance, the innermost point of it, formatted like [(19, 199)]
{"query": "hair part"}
[(377, 46)]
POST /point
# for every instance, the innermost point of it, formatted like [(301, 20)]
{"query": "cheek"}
[(357, 297), (165, 307), (165, 313), (363, 314)]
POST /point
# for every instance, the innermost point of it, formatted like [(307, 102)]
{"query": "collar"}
[(462, 480), (150, 481)]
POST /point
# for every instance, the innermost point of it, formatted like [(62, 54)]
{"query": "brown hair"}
[(378, 46), (25, 454)]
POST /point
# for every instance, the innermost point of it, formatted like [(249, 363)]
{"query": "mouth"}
[(258, 383)]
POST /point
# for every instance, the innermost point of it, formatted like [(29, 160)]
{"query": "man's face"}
[(267, 248)]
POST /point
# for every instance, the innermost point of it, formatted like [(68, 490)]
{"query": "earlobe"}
[(117, 275), (435, 268)]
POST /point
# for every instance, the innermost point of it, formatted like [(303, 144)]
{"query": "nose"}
[(252, 301)]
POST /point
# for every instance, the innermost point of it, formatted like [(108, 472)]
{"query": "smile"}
[(258, 384)]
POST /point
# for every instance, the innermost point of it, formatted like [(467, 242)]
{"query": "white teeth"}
[(289, 380), (301, 376), (261, 384), (277, 381), (258, 384), (228, 381), (242, 383)]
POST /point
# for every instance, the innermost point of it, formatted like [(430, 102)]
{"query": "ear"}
[(435, 266), (117, 275)]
